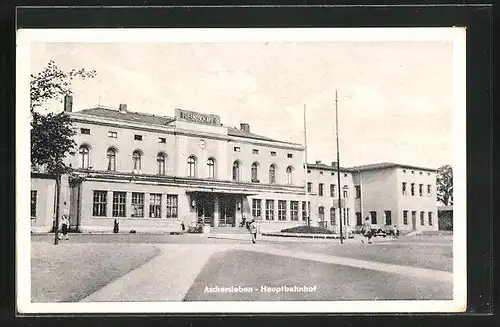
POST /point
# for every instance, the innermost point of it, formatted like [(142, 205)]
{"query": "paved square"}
[(105, 268)]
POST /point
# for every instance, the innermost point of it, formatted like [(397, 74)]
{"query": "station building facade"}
[(155, 174), (393, 194)]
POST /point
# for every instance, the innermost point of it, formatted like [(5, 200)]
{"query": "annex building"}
[(155, 173)]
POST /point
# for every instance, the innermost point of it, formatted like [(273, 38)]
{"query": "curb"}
[(298, 235)]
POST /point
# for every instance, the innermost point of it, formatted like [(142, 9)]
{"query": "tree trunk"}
[(58, 196)]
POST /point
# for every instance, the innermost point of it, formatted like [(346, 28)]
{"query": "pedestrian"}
[(367, 230), (252, 227), (116, 227), (395, 231), (64, 227)]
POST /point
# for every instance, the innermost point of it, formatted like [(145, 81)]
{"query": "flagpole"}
[(305, 169), (338, 167)]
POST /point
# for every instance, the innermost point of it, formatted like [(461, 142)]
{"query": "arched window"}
[(191, 166), (84, 153), (321, 214), (236, 170), (272, 174), (111, 154), (211, 167), (161, 160), (137, 160), (255, 172), (333, 220), (289, 175)]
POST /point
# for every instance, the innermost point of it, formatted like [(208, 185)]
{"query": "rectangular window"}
[(405, 217), (320, 189), (346, 194), (33, 204), (373, 214), (321, 172), (428, 190), (112, 134), (345, 175), (269, 209), (403, 188), (155, 205), (421, 189), (289, 155), (281, 210), (294, 210), (119, 203), (309, 171), (162, 140), (304, 210), (412, 189), (422, 219), (237, 149), (348, 218), (388, 218), (273, 153), (138, 137), (172, 206), (85, 131), (256, 208), (332, 190), (333, 174), (333, 217), (255, 151), (99, 204), (358, 191), (137, 205), (430, 218), (309, 187), (413, 172)]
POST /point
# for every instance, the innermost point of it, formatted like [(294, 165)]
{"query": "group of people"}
[(368, 231)]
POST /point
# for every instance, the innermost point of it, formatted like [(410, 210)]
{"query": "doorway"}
[(227, 211), (205, 209)]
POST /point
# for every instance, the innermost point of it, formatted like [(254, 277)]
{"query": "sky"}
[(394, 98)]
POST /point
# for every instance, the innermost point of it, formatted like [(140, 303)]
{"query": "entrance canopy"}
[(219, 191)]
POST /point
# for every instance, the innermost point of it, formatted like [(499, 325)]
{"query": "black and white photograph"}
[(241, 170)]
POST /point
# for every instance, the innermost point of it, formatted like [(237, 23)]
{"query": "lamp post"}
[(338, 165)]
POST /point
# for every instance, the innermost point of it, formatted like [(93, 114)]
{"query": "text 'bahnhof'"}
[(156, 174)]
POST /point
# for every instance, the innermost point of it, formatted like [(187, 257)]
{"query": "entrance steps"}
[(228, 230)]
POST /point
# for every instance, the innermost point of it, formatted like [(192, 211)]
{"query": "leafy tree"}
[(51, 134), (444, 181), (52, 83)]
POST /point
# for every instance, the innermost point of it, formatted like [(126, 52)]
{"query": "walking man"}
[(367, 230), (395, 231), (64, 227), (252, 227)]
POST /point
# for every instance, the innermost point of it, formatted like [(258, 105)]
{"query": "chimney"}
[(123, 108), (68, 103), (318, 162), (245, 127), (334, 164)]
